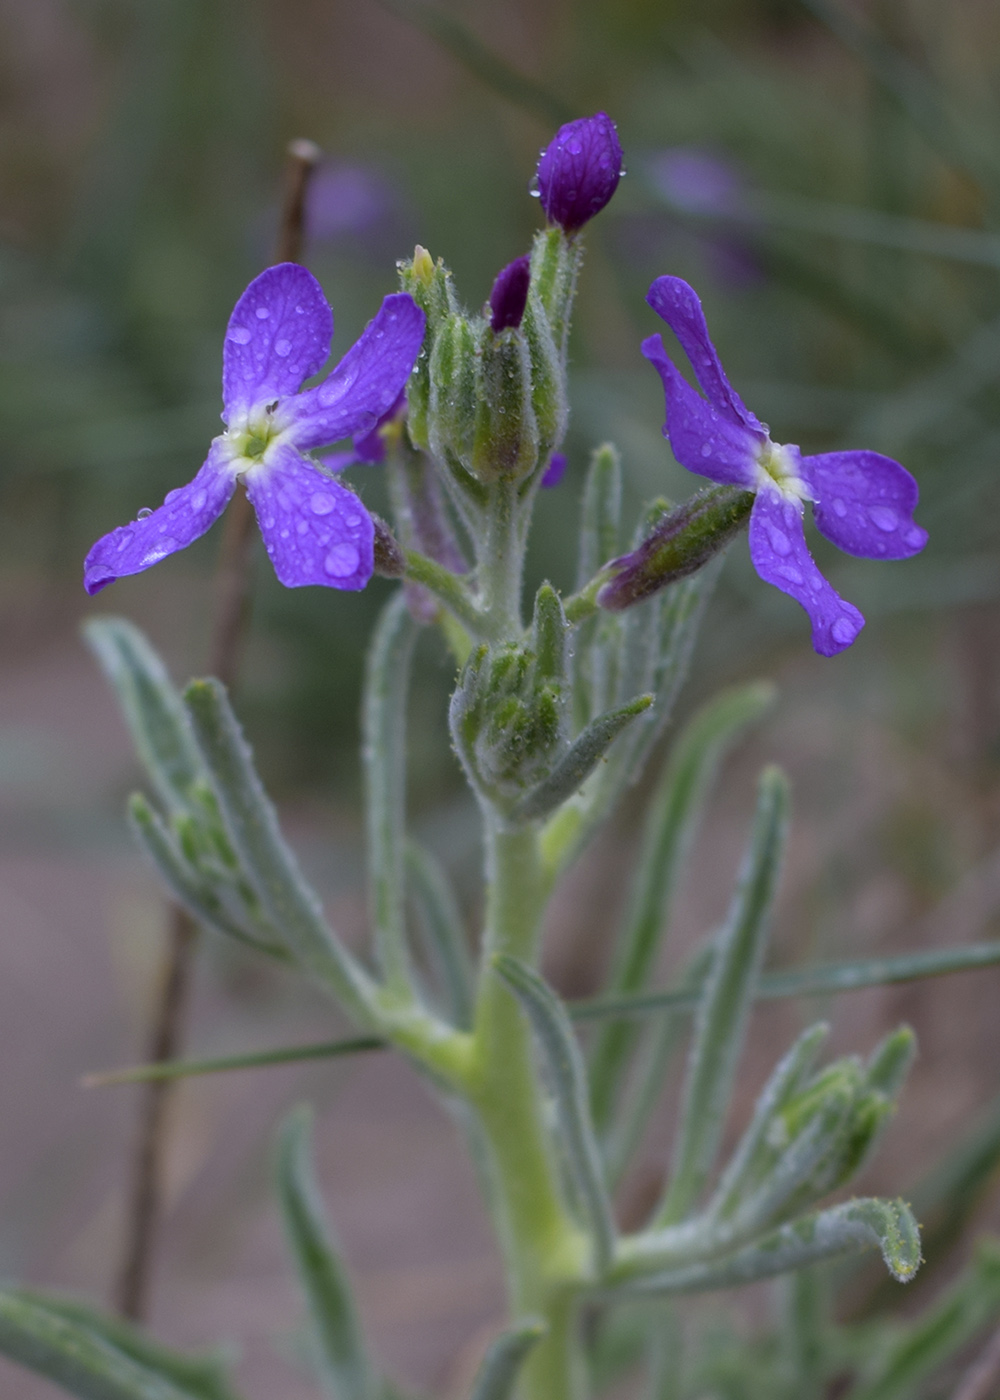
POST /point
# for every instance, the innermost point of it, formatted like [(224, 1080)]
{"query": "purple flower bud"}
[(579, 171), (509, 296), (555, 471)]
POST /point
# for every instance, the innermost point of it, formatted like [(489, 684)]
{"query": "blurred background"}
[(828, 176)]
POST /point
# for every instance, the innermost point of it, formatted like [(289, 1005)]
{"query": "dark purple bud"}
[(579, 171), (509, 296), (555, 471), (683, 541)]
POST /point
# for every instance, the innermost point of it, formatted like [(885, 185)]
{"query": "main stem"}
[(545, 1252)]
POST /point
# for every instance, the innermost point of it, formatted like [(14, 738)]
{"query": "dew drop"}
[(574, 147), (914, 536), (285, 534), (342, 560), (320, 504), (843, 630), (125, 537), (144, 514), (534, 188), (706, 449), (790, 573), (780, 542), (282, 347), (352, 520), (240, 334), (302, 527), (839, 507), (884, 517), (198, 500), (262, 313)]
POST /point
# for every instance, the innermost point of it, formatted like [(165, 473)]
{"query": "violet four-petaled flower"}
[(862, 502), (579, 171), (315, 530)]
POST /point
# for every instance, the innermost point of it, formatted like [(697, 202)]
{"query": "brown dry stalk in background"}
[(982, 1380), (232, 598)]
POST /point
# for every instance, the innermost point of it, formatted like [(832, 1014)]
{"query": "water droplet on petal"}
[(342, 560), (320, 504), (198, 500), (125, 536), (352, 520), (914, 536), (884, 517), (839, 507), (262, 313), (144, 514), (240, 334), (843, 630), (706, 449), (285, 534), (282, 347), (302, 527), (780, 542), (790, 573)]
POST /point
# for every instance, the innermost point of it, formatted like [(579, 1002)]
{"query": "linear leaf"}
[(252, 827), (669, 832), (436, 904), (346, 1370), (186, 884), (858, 1224), (579, 761), (253, 1059), (383, 718), (151, 706), (83, 1358), (725, 1006), (569, 1083), (601, 512), (497, 1376)]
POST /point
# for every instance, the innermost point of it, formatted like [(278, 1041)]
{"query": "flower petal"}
[(366, 383), (184, 516), (781, 556), (703, 439), (315, 530), (679, 305), (864, 503), (278, 335)]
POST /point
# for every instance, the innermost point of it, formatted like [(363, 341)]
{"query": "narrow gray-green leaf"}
[(78, 1357), (601, 513), (855, 1225), (187, 885), (496, 1378), (151, 706), (383, 717), (347, 1372), (669, 832), (252, 1059), (551, 1025), (579, 761), (722, 1015), (252, 827), (435, 901)]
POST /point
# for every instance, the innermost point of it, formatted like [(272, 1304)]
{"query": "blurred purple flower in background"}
[(579, 171), (346, 200), (862, 502), (315, 530), (695, 181), (555, 471)]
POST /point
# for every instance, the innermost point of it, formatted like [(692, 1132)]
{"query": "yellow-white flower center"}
[(251, 437), (778, 469)]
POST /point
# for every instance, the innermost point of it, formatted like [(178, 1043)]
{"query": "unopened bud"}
[(579, 171), (509, 296), (682, 542)]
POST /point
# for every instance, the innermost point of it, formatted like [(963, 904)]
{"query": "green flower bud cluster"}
[(492, 402)]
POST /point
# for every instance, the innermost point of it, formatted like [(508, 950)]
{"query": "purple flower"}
[(315, 530), (579, 171), (862, 502), (696, 181), (509, 296)]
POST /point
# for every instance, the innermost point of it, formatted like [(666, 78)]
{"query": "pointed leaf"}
[(601, 519), (346, 1369), (435, 901), (569, 1083), (725, 1005)]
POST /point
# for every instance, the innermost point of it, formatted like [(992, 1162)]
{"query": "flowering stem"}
[(545, 1252)]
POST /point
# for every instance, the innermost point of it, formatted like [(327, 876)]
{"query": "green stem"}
[(545, 1252), (501, 562)]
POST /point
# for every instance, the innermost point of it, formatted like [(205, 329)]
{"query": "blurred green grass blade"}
[(383, 750), (666, 1344), (601, 510), (671, 824), (268, 863), (438, 910), (497, 1376), (151, 706), (804, 1320), (725, 1004), (491, 70), (186, 884), (821, 980), (551, 1025), (346, 1370), (969, 1306), (252, 1059), (98, 1361), (855, 1225)]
